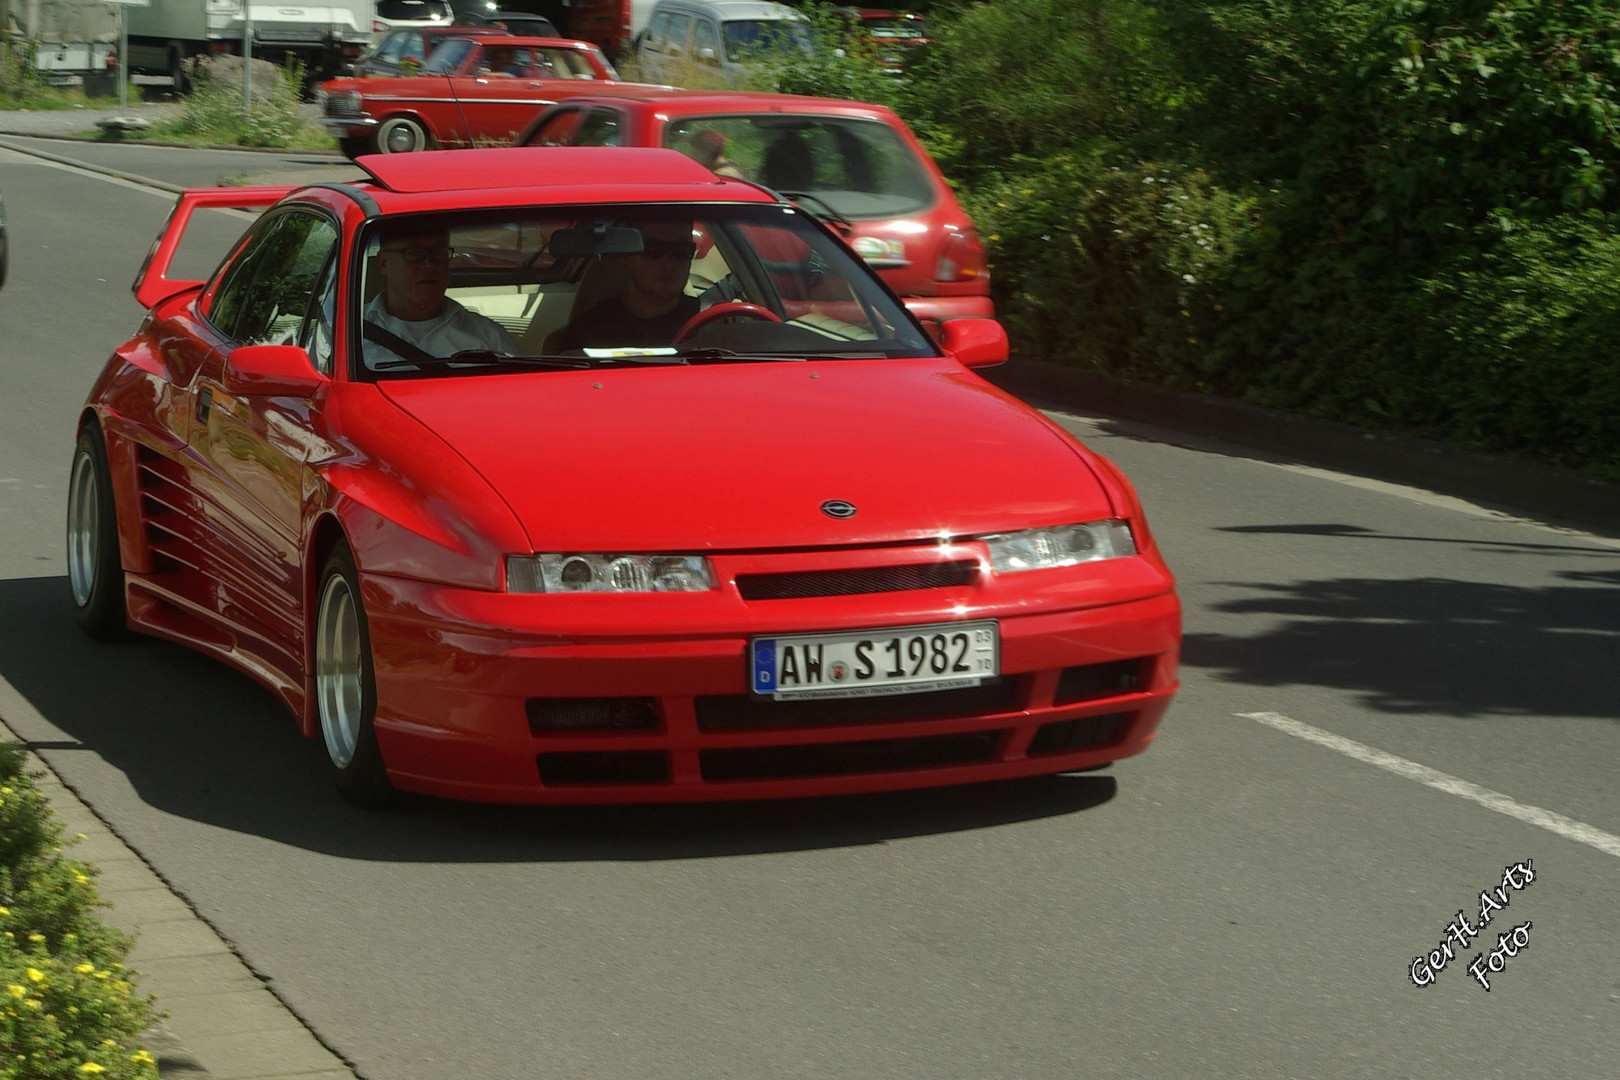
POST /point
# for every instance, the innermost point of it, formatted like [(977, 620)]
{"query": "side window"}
[(391, 46), (266, 303), (560, 129), (680, 28), (601, 128), (706, 43), (316, 336), (412, 48), (657, 32)]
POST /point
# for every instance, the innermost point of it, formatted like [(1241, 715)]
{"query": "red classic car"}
[(471, 91), (429, 458), (856, 164)]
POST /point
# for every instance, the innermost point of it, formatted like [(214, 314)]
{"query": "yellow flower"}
[(18, 992), (92, 1068), (36, 938), (4, 911), (36, 975), (110, 1044), (141, 1057), (85, 968), (103, 974), (80, 878)]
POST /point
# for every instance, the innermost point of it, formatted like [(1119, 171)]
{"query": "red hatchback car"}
[(518, 550), (857, 165), (472, 91)]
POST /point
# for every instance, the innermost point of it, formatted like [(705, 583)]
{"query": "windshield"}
[(862, 169), (749, 39), (467, 293)]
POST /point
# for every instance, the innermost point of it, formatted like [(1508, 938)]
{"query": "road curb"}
[(224, 1021), (1562, 496), (286, 151)]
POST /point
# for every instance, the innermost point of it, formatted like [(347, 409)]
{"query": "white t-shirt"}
[(453, 330)]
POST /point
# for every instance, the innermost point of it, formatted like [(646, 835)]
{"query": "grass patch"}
[(23, 89)]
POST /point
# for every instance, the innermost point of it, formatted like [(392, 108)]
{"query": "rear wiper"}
[(822, 209)]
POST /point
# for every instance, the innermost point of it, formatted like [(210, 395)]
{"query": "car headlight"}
[(607, 573), (344, 103), (1063, 545)]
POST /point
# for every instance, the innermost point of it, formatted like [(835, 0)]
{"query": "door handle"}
[(205, 399)]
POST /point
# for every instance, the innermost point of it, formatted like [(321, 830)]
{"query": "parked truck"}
[(69, 42), (166, 36)]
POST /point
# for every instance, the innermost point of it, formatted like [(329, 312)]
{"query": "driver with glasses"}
[(412, 318)]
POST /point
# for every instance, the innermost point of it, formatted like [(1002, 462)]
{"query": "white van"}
[(691, 37)]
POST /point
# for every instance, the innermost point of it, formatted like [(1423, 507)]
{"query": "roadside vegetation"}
[(1396, 213), (214, 114), (68, 1008)]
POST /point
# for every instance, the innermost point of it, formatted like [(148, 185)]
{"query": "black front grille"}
[(848, 758), (872, 579), (1097, 681), (1061, 736), (591, 714), (600, 767), (739, 712)]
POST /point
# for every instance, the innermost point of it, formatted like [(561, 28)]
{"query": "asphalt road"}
[(1389, 697)]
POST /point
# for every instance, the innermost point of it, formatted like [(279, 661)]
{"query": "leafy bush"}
[(1397, 213), (214, 112), (67, 1006)]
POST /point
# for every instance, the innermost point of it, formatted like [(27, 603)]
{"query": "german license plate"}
[(868, 663)]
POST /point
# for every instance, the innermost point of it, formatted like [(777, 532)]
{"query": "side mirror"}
[(271, 371), (976, 343), (706, 55)]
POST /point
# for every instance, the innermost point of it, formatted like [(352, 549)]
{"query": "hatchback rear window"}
[(862, 169)]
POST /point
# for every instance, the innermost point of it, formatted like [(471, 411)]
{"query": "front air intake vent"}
[(873, 579)]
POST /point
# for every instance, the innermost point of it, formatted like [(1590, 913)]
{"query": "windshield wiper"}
[(485, 356), (729, 356)]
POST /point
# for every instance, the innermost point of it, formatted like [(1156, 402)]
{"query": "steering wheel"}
[(730, 310)]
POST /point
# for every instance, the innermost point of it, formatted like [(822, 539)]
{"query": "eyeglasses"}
[(685, 250), (415, 255)]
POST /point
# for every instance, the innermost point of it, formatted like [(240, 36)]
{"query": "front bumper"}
[(349, 127), (468, 684)]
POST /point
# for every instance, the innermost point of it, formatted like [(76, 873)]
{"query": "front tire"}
[(95, 569), (401, 135), (345, 685)]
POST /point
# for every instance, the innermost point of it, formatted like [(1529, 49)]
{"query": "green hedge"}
[(1396, 213), (68, 1008)]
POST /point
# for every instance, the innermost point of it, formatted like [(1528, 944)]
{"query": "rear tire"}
[(401, 135), (179, 70), (345, 685), (95, 568)]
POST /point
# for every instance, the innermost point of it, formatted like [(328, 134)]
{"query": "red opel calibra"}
[(797, 548)]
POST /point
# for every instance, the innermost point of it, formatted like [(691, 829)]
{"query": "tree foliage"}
[(1393, 212)]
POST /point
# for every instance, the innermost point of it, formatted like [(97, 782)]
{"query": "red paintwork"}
[(460, 108), (224, 522), (645, 118)]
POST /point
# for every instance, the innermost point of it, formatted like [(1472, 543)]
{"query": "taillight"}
[(961, 259), (378, 27)]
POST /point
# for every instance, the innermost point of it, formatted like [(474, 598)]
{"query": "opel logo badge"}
[(838, 508)]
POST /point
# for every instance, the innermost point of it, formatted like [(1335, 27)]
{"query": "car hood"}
[(742, 456)]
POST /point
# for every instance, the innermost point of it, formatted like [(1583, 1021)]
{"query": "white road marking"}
[(1567, 827)]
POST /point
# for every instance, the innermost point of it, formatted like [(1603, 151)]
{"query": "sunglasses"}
[(418, 255), (685, 250)]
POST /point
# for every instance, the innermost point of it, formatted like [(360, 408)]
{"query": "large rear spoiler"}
[(153, 284)]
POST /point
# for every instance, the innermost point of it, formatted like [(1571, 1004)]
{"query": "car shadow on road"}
[(1432, 645), (197, 740)]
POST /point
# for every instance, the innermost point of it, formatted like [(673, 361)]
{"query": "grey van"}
[(687, 39)]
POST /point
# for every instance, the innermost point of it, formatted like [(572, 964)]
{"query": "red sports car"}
[(857, 165), (760, 538), (472, 91)]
